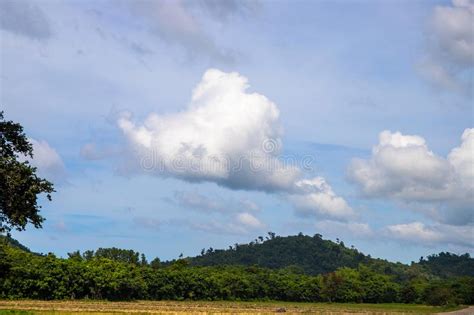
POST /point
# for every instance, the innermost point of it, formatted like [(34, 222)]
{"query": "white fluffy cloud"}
[(47, 160), (419, 233), (231, 137), (317, 198), (402, 167), (221, 137), (249, 221), (451, 45)]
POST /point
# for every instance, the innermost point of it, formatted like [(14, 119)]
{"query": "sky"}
[(172, 126)]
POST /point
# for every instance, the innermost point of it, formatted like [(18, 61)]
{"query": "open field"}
[(198, 307)]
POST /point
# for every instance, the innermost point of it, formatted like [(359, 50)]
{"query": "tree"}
[(4, 259), (19, 184), (155, 263), (117, 254), (75, 255), (143, 260), (271, 235)]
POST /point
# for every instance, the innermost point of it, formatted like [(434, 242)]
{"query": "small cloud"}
[(249, 221), (47, 160), (315, 197), (431, 235), (248, 205)]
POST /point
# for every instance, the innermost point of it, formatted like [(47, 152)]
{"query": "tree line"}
[(117, 274)]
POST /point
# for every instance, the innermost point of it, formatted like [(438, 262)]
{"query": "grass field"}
[(195, 307)]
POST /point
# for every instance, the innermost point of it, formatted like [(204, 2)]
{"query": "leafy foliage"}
[(116, 254), (448, 265), (13, 243), (313, 254), (116, 274), (19, 184)]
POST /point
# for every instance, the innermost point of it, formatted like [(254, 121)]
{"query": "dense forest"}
[(293, 268), (314, 255)]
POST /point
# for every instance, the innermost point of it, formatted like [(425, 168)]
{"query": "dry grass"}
[(197, 307)]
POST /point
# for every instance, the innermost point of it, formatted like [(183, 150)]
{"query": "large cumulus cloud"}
[(226, 135), (231, 137), (402, 167)]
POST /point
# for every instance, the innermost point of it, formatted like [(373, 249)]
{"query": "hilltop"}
[(13, 243), (315, 255)]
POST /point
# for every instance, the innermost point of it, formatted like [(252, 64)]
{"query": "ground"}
[(196, 307)]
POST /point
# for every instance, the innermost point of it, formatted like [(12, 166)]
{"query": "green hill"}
[(448, 265), (314, 255), (13, 243)]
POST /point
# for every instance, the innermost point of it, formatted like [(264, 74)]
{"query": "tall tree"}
[(20, 186)]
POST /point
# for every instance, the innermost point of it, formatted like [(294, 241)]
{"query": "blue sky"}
[(368, 103)]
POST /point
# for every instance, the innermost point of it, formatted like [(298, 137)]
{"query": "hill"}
[(13, 243), (448, 265), (315, 255)]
